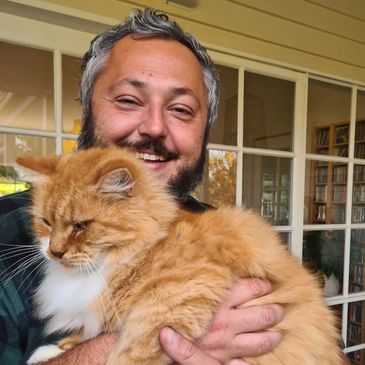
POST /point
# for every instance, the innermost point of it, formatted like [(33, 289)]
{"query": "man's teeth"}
[(148, 157)]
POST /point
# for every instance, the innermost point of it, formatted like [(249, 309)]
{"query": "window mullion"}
[(57, 69)]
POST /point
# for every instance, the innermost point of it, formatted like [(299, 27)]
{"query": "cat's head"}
[(97, 204)]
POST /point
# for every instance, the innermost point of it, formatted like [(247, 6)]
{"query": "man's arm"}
[(92, 352), (226, 339)]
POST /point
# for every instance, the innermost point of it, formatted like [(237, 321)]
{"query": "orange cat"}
[(123, 257)]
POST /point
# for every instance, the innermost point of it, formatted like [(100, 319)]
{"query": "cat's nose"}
[(57, 253)]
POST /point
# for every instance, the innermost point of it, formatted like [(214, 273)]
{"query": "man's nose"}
[(153, 123)]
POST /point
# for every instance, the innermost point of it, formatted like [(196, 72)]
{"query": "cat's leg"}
[(44, 353), (71, 341), (47, 352)]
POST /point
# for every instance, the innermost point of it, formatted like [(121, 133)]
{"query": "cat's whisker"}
[(19, 266), (14, 245), (16, 271), (10, 253), (106, 291), (6, 216), (38, 267), (90, 267)]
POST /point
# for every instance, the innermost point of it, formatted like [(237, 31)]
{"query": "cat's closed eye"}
[(46, 222), (82, 225)]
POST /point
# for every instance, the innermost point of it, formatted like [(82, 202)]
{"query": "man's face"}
[(151, 96)]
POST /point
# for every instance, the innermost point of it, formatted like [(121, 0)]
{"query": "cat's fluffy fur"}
[(123, 257)]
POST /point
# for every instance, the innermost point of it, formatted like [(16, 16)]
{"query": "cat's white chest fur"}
[(66, 297)]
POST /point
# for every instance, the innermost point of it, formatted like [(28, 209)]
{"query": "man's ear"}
[(118, 183), (40, 165)]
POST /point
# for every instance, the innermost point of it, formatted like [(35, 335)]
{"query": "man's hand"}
[(234, 332)]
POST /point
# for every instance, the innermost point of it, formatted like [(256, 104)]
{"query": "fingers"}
[(255, 344), (255, 318), (181, 350), (241, 332), (247, 289)]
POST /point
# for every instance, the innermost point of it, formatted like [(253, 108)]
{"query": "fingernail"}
[(171, 336), (275, 338)]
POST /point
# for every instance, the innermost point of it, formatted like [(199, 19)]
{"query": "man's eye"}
[(127, 101), (183, 111)]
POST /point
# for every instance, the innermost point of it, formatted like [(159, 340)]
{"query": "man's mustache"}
[(151, 144)]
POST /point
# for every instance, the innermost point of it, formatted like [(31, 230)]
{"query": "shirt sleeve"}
[(20, 331)]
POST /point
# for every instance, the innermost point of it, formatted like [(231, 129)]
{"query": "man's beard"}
[(187, 178)]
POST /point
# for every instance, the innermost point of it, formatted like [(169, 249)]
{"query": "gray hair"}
[(147, 23)]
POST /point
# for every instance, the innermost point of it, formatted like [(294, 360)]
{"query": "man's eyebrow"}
[(184, 91), (132, 82), (143, 85)]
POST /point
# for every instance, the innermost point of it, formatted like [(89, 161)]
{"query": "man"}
[(148, 85)]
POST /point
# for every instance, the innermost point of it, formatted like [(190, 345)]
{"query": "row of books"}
[(359, 173), (359, 150), (355, 312), (358, 193), (358, 237), (320, 193), (323, 136), (357, 272), (341, 134), (358, 213), (339, 174), (360, 131), (321, 174), (339, 194), (354, 332)]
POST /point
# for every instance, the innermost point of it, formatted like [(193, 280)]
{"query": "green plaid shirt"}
[(20, 331)]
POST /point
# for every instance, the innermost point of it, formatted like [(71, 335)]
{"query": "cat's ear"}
[(40, 165), (117, 183)]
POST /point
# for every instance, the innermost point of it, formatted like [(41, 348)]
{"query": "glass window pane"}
[(267, 187), (26, 88), (360, 126), (329, 108), (323, 253), (325, 192), (355, 357), (268, 112), (224, 130), (71, 109), (357, 261), (358, 194), (219, 186), (356, 329), (16, 145)]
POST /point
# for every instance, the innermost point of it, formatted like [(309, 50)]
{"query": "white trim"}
[(67, 11), (57, 77), (33, 33), (273, 62)]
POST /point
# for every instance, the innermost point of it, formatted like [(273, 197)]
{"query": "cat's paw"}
[(44, 353)]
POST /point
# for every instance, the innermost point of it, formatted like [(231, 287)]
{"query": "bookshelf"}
[(355, 331), (328, 202), (356, 311), (275, 191)]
